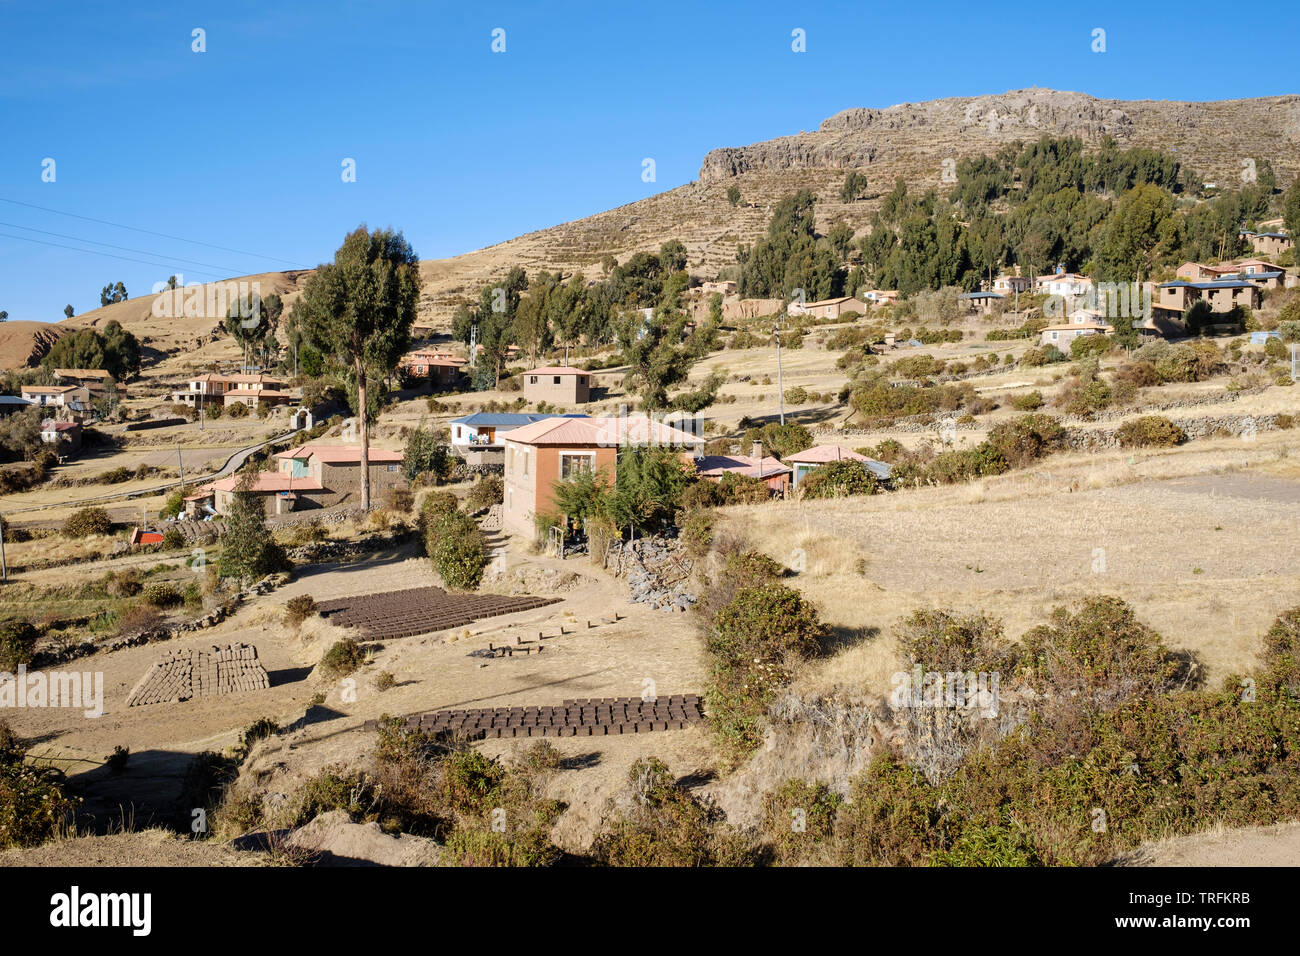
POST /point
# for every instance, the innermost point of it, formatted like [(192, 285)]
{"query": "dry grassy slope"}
[(910, 140)]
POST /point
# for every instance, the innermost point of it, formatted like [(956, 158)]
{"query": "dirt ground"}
[(1247, 846)]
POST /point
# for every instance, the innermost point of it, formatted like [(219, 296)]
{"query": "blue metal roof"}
[(510, 419), (15, 400), (1222, 284), (981, 295)]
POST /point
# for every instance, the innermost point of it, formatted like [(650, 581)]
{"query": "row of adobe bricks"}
[(614, 715)]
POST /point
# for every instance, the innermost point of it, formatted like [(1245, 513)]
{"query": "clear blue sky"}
[(241, 146)]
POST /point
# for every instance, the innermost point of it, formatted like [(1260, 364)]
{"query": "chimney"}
[(756, 453)]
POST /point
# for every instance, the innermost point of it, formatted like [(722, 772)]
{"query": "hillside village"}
[(1036, 419)]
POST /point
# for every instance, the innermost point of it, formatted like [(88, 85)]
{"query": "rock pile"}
[(658, 573), (180, 674)]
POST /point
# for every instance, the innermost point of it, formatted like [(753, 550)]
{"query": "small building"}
[(828, 308), (1221, 294), (881, 297), (553, 449), (58, 396), (213, 387), (97, 380), (1009, 284), (440, 368), (557, 385), (337, 469), (280, 492), (765, 468), (810, 459), (722, 287), (14, 403), (253, 397), (65, 436), (1269, 243), (1067, 285), (1062, 335), (981, 302), (480, 438)]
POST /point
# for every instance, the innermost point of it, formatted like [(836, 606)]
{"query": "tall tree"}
[(68, 311), (360, 308)]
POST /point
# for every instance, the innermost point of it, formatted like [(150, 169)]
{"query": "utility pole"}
[(180, 461), (4, 568), (780, 392)]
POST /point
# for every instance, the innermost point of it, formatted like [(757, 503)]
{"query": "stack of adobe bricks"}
[(574, 718), (181, 674)]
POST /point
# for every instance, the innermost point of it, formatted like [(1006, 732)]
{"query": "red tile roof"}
[(821, 454), (605, 432), (340, 454), (268, 481), (715, 466)]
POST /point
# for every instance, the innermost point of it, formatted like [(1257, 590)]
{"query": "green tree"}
[(1291, 209), (68, 311), (854, 186), (248, 551), (360, 308), (733, 195)]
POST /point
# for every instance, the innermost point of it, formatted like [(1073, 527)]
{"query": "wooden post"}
[(4, 568)]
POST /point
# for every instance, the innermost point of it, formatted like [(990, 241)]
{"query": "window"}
[(391, 468), (525, 454), (555, 380), (532, 380), (1054, 335), (576, 464)]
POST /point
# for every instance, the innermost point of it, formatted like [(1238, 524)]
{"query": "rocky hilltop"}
[(1213, 135)]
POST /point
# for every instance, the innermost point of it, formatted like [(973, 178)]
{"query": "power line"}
[(109, 245), (93, 252), (148, 232)]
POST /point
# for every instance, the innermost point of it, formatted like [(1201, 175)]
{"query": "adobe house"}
[(1221, 294), (1269, 243), (64, 436), (1009, 284), (765, 468), (337, 470), (544, 452), (59, 396), (828, 308), (212, 387), (981, 302), (1062, 335), (441, 369), (557, 385), (280, 493), (810, 459), (95, 379)]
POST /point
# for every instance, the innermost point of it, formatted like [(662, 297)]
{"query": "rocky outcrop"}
[(658, 572)]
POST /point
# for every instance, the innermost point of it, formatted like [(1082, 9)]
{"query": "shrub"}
[(125, 583), (943, 642), (666, 825), (1150, 430), (17, 642), (1140, 374), (1035, 357), (702, 494), (487, 491), (173, 540), (459, 550), (238, 410), (87, 521), (137, 619), (839, 478), (797, 395), (298, 608), (161, 594), (385, 680), (247, 549), (1030, 402), (799, 821), (342, 659), (401, 501), (743, 489), (697, 532), (33, 803), (1025, 440), (1084, 346)]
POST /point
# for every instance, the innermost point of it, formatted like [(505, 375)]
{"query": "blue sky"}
[(241, 146)]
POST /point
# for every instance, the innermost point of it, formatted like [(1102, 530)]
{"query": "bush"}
[(459, 550), (839, 478), (1150, 430), (1140, 374), (1084, 346), (697, 532), (17, 642), (342, 659), (173, 540), (1035, 357), (487, 491), (702, 494), (401, 501), (797, 395), (87, 521), (297, 609), (238, 410), (1030, 402), (1025, 440), (799, 821), (248, 551), (33, 803), (161, 594)]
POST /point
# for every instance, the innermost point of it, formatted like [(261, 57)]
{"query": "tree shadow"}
[(842, 636)]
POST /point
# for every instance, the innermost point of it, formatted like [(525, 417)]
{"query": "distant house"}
[(1068, 285), (1221, 294), (60, 396), (245, 388), (765, 468), (97, 380), (1062, 335), (14, 403), (981, 302), (881, 296), (557, 384), (544, 452), (65, 436), (1009, 284), (1269, 243), (480, 438), (315, 476), (810, 459), (723, 287), (828, 308), (440, 368)]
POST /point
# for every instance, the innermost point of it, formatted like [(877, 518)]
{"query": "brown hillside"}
[(24, 343), (911, 140)]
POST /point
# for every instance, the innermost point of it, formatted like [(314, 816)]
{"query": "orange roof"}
[(715, 466), (339, 454), (820, 454), (605, 432), (268, 481), (82, 373), (557, 370)]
